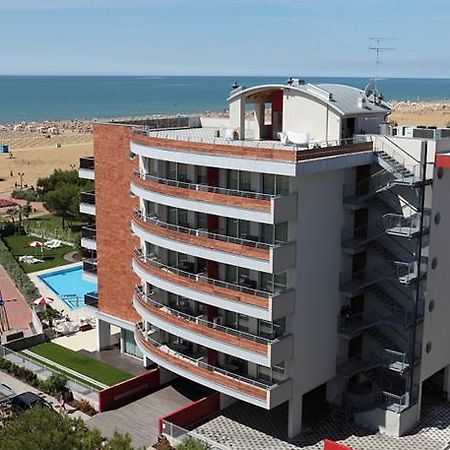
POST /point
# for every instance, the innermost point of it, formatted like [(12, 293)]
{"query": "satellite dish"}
[(369, 89)]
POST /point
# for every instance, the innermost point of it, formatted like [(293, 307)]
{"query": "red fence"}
[(193, 412), (128, 391), (331, 445)]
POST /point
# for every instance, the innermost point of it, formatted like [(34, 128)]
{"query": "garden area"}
[(44, 258), (90, 367)]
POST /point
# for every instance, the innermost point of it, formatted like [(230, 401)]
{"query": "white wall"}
[(436, 325), (314, 322), (305, 115)]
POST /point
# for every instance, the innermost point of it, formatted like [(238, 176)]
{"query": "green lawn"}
[(18, 246), (97, 370)]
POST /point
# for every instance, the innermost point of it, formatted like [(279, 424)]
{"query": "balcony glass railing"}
[(87, 163), (90, 266), (87, 197), (204, 187), (200, 277), (200, 321), (88, 233), (137, 214), (198, 362)]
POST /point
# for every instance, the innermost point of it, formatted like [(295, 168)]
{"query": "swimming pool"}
[(69, 285)]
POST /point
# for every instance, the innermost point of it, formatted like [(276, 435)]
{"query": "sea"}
[(36, 98)]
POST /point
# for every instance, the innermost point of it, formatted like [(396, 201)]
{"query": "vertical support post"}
[(295, 416), (103, 334)]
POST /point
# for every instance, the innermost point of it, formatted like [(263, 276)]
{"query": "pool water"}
[(69, 285)]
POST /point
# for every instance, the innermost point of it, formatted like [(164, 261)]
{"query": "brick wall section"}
[(114, 207)]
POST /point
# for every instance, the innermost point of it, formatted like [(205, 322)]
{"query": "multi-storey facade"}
[(277, 253)]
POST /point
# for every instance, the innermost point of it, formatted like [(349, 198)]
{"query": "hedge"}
[(21, 280)]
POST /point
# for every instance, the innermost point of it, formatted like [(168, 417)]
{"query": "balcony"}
[(246, 253), (390, 359), (91, 299), (86, 169), (197, 286), (90, 268), (87, 203), (245, 205), (257, 392), (88, 238), (197, 328)]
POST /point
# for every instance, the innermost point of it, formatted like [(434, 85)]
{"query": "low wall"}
[(27, 342), (192, 413), (128, 391), (331, 445)]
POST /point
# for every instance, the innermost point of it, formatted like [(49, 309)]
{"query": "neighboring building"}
[(281, 254)]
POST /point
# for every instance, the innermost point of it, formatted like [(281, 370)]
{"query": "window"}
[(171, 170), (280, 281), (267, 233), (245, 181), (274, 373), (129, 344), (201, 220), (244, 229), (232, 179), (281, 232), (268, 183), (172, 215), (232, 227), (282, 185), (272, 330), (202, 175), (152, 167), (150, 208), (182, 173)]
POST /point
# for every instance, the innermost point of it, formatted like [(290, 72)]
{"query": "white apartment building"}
[(291, 248)]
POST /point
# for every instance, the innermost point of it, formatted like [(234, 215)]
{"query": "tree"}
[(44, 429), (64, 201)]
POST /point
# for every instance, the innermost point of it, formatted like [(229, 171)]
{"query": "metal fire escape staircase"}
[(389, 354)]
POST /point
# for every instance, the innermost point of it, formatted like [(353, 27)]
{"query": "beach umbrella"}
[(37, 244), (43, 301)]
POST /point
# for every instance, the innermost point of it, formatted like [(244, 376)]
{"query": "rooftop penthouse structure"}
[(292, 252)]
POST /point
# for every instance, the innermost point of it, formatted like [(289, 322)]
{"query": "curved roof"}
[(345, 100)]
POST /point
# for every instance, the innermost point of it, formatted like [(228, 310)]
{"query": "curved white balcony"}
[(251, 302), (216, 247), (221, 202), (264, 394), (246, 346)]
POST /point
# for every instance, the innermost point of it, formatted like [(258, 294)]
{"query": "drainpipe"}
[(419, 259)]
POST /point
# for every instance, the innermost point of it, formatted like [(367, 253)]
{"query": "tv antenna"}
[(378, 47)]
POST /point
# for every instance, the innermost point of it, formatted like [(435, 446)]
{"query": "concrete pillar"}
[(147, 362), (103, 335), (226, 401), (166, 375), (446, 386), (295, 416), (237, 116), (259, 120), (335, 387)]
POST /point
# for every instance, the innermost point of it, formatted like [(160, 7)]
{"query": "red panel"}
[(443, 161), (193, 413), (277, 101), (128, 391), (331, 445)]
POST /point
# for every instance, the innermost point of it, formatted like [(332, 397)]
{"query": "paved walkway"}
[(19, 386), (17, 310), (246, 427), (140, 419)]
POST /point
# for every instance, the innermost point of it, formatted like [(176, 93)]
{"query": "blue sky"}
[(223, 37)]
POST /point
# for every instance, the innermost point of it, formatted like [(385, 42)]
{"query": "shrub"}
[(21, 280), (29, 194), (190, 443), (56, 385), (85, 407)]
